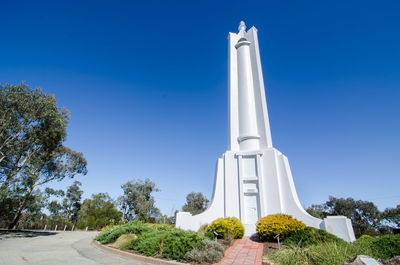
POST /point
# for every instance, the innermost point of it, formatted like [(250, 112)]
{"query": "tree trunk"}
[(18, 214)]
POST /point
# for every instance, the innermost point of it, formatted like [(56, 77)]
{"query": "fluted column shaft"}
[(248, 131)]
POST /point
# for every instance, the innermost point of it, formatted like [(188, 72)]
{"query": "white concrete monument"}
[(253, 179)]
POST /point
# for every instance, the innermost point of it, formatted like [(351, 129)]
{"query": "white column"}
[(248, 131)]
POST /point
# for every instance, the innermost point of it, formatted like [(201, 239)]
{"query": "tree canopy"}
[(32, 132), (98, 212), (137, 202), (196, 203), (364, 215)]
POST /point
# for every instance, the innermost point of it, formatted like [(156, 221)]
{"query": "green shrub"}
[(238, 228), (206, 251), (225, 226), (178, 242), (310, 236), (160, 240), (148, 243), (386, 247), (163, 227), (362, 247), (105, 231), (124, 241), (282, 224), (135, 227), (367, 238)]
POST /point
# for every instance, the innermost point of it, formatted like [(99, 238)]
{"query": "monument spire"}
[(248, 131), (242, 28), (253, 179)]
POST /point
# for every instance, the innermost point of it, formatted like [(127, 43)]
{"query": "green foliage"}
[(137, 203), (105, 231), (196, 203), (226, 226), (310, 236), (282, 224), (364, 215), (219, 226), (386, 247), (154, 240), (337, 252), (331, 253), (162, 227), (32, 153), (205, 233), (178, 242), (317, 210), (72, 202), (392, 216), (124, 241), (98, 212), (365, 238), (148, 243), (238, 228), (206, 251), (134, 227)]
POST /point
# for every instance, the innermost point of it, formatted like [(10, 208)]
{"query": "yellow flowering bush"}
[(282, 224), (225, 226)]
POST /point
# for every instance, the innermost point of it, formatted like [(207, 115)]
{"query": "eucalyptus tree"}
[(72, 201), (364, 215), (196, 203), (32, 132), (137, 202), (392, 216), (98, 211)]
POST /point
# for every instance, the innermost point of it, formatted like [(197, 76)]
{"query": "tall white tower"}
[(253, 179)]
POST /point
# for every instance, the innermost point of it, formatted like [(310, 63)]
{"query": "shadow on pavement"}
[(5, 234)]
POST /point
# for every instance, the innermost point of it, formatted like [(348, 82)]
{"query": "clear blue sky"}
[(146, 85)]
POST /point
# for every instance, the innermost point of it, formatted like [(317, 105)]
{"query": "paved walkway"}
[(67, 248), (243, 252)]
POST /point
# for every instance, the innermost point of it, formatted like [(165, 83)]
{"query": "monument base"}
[(253, 184)]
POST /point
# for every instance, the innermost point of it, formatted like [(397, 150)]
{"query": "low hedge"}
[(310, 236)]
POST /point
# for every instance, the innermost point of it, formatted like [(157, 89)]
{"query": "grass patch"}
[(330, 251), (124, 241)]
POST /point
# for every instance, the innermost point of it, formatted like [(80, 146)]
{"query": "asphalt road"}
[(54, 248)]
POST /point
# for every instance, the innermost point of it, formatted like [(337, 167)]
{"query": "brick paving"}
[(243, 252)]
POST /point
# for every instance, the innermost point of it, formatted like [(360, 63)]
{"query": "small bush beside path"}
[(162, 241)]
